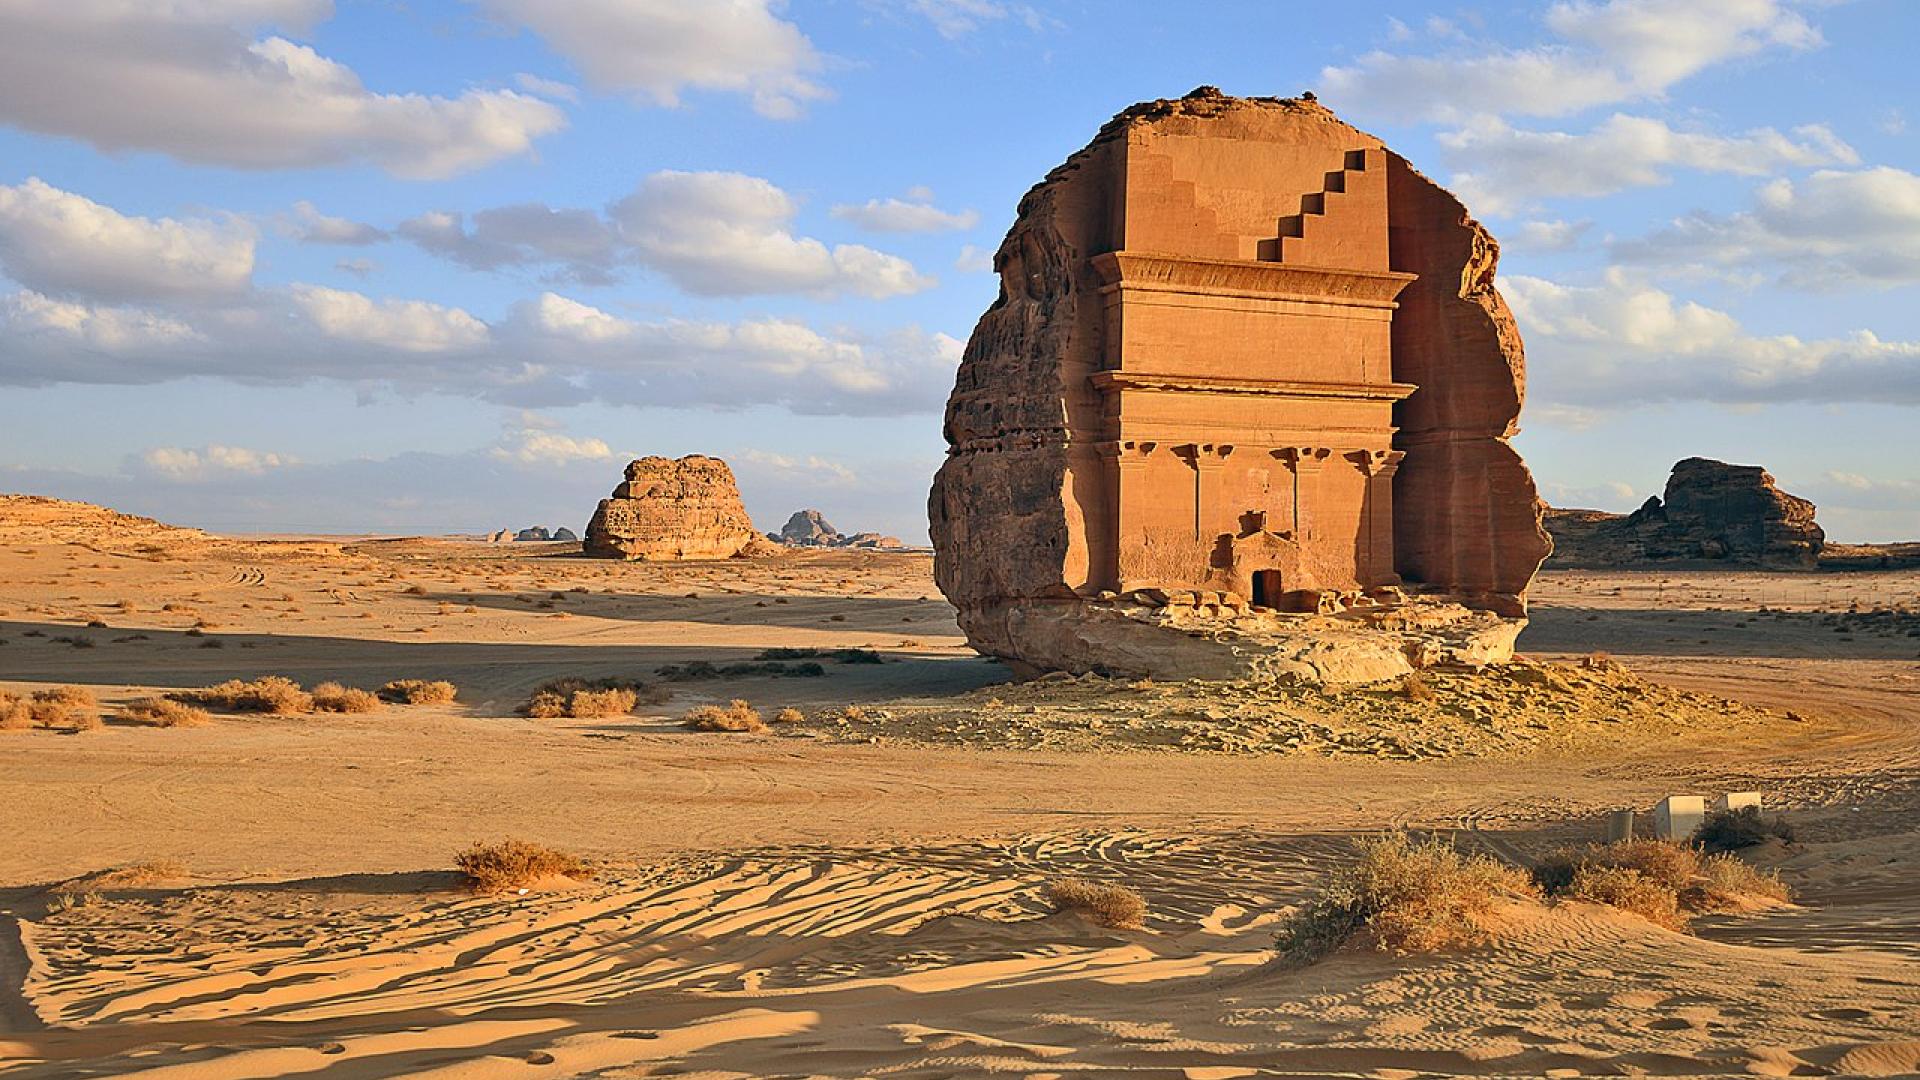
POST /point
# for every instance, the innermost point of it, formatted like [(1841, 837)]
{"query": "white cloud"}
[(727, 234), (1834, 229), (541, 447), (184, 465), (903, 216), (190, 80), (655, 49), (1625, 341), (309, 226), (1499, 168), (547, 88), (360, 268), (112, 329), (812, 470), (974, 260), (404, 325), (1554, 235), (1610, 52), (57, 242), (580, 242)]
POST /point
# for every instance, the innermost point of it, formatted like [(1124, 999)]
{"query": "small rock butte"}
[(667, 508)]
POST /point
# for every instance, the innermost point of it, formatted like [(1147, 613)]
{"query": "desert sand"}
[(863, 892)]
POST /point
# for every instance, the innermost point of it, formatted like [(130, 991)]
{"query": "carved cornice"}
[(1109, 381), (1160, 272)]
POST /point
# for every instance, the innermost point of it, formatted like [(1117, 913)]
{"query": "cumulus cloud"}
[(309, 226), (1553, 235), (57, 242), (184, 465), (1624, 341), (550, 350), (192, 81), (811, 470), (1605, 53), (540, 446), (1499, 168), (583, 246), (955, 19), (413, 326), (727, 234), (1834, 229), (655, 49), (914, 215), (65, 324)]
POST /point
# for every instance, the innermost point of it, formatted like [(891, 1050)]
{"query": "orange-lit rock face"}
[(1240, 347), (673, 508)]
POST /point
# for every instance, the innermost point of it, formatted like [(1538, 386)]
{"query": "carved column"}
[(1127, 470), (1302, 462), (1378, 466)]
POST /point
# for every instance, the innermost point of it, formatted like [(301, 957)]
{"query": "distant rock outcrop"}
[(564, 533), (533, 534), (687, 508), (808, 528), (502, 536), (1711, 512)]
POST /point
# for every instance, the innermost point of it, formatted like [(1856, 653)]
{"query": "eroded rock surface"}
[(686, 508), (1711, 511), (1240, 349)]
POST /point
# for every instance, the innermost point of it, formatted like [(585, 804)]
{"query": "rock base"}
[(1135, 637)]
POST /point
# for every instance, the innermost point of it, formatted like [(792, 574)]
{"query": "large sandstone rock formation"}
[(674, 509), (808, 528), (1712, 511), (1244, 360)]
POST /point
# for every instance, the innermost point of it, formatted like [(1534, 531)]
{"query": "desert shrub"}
[(513, 864), (163, 712), (1670, 865), (274, 694), (578, 698), (1414, 687), (1731, 830), (1114, 906), (419, 692), (809, 652), (333, 697), (1628, 890), (415, 590), (15, 713), (736, 716), (1725, 880), (789, 715), (1659, 880), (70, 708), (615, 702), (1408, 896)]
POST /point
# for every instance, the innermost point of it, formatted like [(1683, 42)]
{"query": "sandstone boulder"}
[(1711, 512), (667, 509), (1241, 352)]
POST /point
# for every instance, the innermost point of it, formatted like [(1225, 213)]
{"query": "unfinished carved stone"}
[(1712, 511), (675, 509), (1243, 353)]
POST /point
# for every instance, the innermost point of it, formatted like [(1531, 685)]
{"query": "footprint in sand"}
[(331, 1048), (539, 1057), (1842, 1014)]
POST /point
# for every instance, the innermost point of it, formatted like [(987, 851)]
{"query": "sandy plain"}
[(862, 893)]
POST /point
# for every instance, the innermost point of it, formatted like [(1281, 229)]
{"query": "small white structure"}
[(1737, 800), (1677, 816), (1619, 826)]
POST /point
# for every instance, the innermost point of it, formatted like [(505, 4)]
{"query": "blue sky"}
[(286, 265)]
